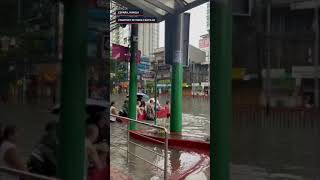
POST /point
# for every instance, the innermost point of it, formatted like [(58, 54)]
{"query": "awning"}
[(161, 9)]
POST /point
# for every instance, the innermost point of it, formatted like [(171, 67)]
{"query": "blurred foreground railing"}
[(22, 174), (248, 116), (127, 139)]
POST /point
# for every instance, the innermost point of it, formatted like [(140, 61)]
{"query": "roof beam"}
[(185, 8), (150, 12), (304, 5), (180, 3), (195, 4), (160, 5)]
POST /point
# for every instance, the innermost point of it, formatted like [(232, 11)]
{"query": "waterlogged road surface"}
[(180, 162), (257, 153)]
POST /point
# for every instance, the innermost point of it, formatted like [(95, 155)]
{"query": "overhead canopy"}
[(161, 9)]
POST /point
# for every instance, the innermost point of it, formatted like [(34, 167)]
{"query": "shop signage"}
[(306, 72)]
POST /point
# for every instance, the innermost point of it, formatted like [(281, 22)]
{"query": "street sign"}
[(122, 53), (163, 72), (163, 76), (147, 76), (164, 68), (176, 48)]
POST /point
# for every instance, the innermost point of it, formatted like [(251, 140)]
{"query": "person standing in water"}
[(167, 108), (150, 112)]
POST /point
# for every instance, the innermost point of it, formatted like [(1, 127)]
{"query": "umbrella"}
[(141, 96), (92, 106)]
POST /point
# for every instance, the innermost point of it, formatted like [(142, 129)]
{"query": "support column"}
[(71, 149), (268, 73), (177, 73), (220, 94), (316, 56), (133, 76), (156, 92), (176, 98)]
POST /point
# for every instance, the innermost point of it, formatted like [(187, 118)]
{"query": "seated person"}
[(99, 119), (102, 150), (92, 159), (43, 157)]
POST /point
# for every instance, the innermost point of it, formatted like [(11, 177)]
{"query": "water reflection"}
[(180, 161)]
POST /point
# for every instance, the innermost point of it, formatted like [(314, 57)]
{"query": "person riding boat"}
[(125, 108), (142, 111)]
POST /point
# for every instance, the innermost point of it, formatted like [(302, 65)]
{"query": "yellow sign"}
[(185, 85), (238, 73)]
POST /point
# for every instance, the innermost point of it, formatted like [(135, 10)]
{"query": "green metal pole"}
[(176, 98), (133, 76), (220, 94), (155, 94), (177, 71), (73, 92)]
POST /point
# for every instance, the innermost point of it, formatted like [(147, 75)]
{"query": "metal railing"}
[(23, 174), (165, 143)]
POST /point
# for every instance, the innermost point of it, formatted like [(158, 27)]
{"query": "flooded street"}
[(195, 114), (257, 153), (179, 160)]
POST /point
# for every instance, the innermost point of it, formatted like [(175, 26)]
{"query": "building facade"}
[(289, 58), (148, 37), (196, 72)]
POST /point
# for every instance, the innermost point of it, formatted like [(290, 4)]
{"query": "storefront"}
[(305, 83), (283, 92)]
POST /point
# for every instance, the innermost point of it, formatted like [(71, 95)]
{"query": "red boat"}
[(161, 114)]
